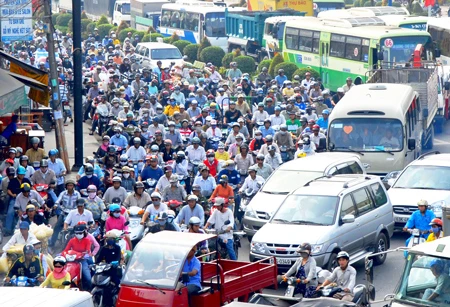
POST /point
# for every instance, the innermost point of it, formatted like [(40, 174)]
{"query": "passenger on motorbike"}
[(27, 265), (273, 158), (218, 219), (35, 153), (151, 170), (23, 161), (305, 270), (31, 215), (162, 223), (82, 244), (175, 191), (59, 275), (234, 148), (115, 191), (117, 221), (344, 276), (139, 198), (193, 209), (420, 219), (24, 198), (103, 148), (263, 169), (127, 181), (37, 245), (436, 228)]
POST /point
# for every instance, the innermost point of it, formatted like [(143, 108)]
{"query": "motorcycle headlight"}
[(134, 223), (258, 248), (315, 249), (250, 213), (436, 207)]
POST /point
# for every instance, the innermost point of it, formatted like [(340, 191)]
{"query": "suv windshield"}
[(166, 54), (422, 277), (366, 134), (155, 266), (424, 177), (285, 181), (307, 209)]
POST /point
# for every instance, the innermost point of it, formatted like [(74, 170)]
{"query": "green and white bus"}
[(341, 48)]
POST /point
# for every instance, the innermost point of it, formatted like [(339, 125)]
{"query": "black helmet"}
[(80, 202), (89, 170), (23, 158), (306, 140), (28, 249), (116, 200), (111, 150), (79, 228), (138, 185), (11, 171), (305, 248)]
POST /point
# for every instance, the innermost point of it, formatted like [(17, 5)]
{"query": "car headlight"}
[(436, 207), (250, 213), (315, 249), (258, 248)]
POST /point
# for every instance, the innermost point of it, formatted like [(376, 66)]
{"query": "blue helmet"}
[(53, 152), (201, 80), (21, 170), (114, 207)]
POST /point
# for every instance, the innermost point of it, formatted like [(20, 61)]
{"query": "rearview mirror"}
[(331, 146), (322, 144), (411, 144), (227, 222), (127, 223), (348, 218)]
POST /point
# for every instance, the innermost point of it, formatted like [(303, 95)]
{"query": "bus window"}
[(192, 21), (165, 18), (292, 38), (353, 48), (305, 42), (215, 24), (268, 29), (316, 41), (337, 45)]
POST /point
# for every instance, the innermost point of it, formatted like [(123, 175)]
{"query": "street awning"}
[(29, 82), (12, 93)]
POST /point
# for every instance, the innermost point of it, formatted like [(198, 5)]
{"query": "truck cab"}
[(121, 12)]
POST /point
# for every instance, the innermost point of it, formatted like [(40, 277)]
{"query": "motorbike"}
[(195, 164), (103, 118), (73, 266), (284, 152), (417, 237), (22, 281), (174, 205), (220, 246), (246, 198), (215, 140), (291, 284), (182, 180), (124, 248), (105, 292), (150, 185), (67, 111), (135, 214)]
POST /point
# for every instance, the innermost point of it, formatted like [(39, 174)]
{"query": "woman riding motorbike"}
[(117, 221), (59, 275)]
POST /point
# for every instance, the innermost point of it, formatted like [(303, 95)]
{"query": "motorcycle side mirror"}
[(66, 283), (227, 222), (90, 223), (185, 278), (127, 223)]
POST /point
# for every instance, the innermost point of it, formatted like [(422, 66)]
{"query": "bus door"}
[(324, 54)]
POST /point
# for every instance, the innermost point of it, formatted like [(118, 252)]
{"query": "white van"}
[(122, 12), (291, 176), (31, 297), (151, 53)]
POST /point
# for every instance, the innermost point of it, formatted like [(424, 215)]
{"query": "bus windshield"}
[(366, 134), (215, 25), (400, 49)]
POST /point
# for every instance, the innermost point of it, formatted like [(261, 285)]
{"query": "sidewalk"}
[(90, 143)]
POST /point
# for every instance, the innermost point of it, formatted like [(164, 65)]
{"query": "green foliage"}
[(191, 51), (146, 38), (70, 25), (140, 33), (379, 3), (396, 4), (84, 24), (227, 59), (63, 19), (114, 28), (203, 44), (90, 27), (54, 17), (358, 3), (302, 71), (62, 29), (416, 8), (103, 20), (83, 15), (212, 54), (123, 25), (103, 30), (180, 44), (264, 63), (246, 64), (123, 33), (289, 69), (367, 3), (155, 35), (167, 40), (276, 60)]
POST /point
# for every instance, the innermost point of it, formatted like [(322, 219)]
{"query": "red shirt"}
[(212, 166), (81, 246)]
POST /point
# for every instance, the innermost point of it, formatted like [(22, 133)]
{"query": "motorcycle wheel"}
[(65, 116), (98, 300), (236, 249)]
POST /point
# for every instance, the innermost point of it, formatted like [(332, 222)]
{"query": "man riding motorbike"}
[(27, 265)]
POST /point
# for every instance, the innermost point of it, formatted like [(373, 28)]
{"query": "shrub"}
[(264, 63), (167, 40), (90, 27), (302, 71), (146, 38), (103, 20), (246, 64), (83, 15), (84, 25), (289, 69), (276, 60), (379, 3), (191, 51), (123, 33), (212, 54), (180, 44), (174, 38), (227, 59), (358, 3), (70, 25), (103, 30), (396, 4), (63, 20), (123, 25), (204, 43), (350, 2), (416, 8), (140, 33), (62, 29), (54, 17), (153, 36)]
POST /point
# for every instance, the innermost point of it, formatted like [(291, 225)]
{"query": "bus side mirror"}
[(411, 144), (380, 55), (331, 146), (437, 53), (322, 144)]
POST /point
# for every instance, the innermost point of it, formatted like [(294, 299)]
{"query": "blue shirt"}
[(186, 213), (280, 79), (121, 141), (190, 265), (323, 123), (266, 132), (97, 171), (419, 221), (149, 172), (233, 176), (58, 167)]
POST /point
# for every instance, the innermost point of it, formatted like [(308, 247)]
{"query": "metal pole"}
[(55, 101), (77, 85)]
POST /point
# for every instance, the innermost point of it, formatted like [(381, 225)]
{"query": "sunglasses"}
[(58, 266), (79, 233), (155, 199)]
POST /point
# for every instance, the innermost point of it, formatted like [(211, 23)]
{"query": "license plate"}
[(66, 107), (401, 219), (281, 261)]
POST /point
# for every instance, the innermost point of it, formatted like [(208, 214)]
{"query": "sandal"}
[(91, 133)]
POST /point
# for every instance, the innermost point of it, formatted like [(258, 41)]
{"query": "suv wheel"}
[(380, 246), (332, 263)]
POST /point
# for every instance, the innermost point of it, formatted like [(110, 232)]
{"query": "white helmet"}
[(192, 197), (194, 221), (156, 195)]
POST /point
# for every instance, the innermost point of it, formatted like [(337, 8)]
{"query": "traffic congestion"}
[(233, 155)]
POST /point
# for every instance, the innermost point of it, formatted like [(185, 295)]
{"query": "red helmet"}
[(210, 96), (210, 152), (436, 221)]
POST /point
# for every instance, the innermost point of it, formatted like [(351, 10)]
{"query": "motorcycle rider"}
[(436, 228), (119, 139), (162, 224), (94, 203), (14, 189), (127, 181), (180, 168), (222, 190), (218, 219), (273, 158), (82, 244), (211, 162), (316, 135), (253, 181), (103, 148), (323, 121), (59, 275), (27, 265), (57, 166), (151, 170), (80, 214), (35, 153), (115, 191), (23, 161), (420, 219), (305, 270), (269, 141), (195, 227), (205, 181), (263, 169), (193, 209), (109, 253), (31, 216), (344, 276), (24, 198), (175, 191), (138, 198), (284, 138), (24, 236), (305, 148), (137, 153), (89, 179), (117, 221), (44, 175), (243, 161), (154, 207)]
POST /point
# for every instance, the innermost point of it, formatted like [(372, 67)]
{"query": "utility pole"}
[(55, 101), (77, 84)]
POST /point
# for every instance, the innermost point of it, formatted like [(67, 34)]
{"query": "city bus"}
[(274, 33), (328, 5), (341, 48), (193, 20), (381, 122)]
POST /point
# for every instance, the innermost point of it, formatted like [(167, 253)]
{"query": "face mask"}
[(116, 105), (210, 159), (92, 194), (106, 143), (144, 129), (37, 251), (116, 214), (258, 137), (110, 242), (156, 202), (304, 255), (289, 86), (435, 230), (230, 168), (79, 237), (126, 175), (171, 128), (130, 164), (162, 222), (159, 111), (177, 92), (239, 142), (221, 150), (58, 270), (89, 176), (166, 70)]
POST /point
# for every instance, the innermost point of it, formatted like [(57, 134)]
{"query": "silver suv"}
[(334, 213)]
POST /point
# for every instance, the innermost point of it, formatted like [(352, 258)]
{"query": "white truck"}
[(146, 13)]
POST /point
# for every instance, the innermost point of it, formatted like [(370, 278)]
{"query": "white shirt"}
[(277, 120), (74, 217), (153, 211), (253, 184), (274, 161), (195, 154), (316, 139), (17, 239), (218, 219), (136, 154), (163, 182), (58, 167), (260, 116), (215, 76), (210, 132)]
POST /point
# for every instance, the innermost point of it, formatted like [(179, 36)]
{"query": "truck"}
[(251, 33), (425, 81), (60, 6), (146, 13), (115, 10), (274, 5)]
